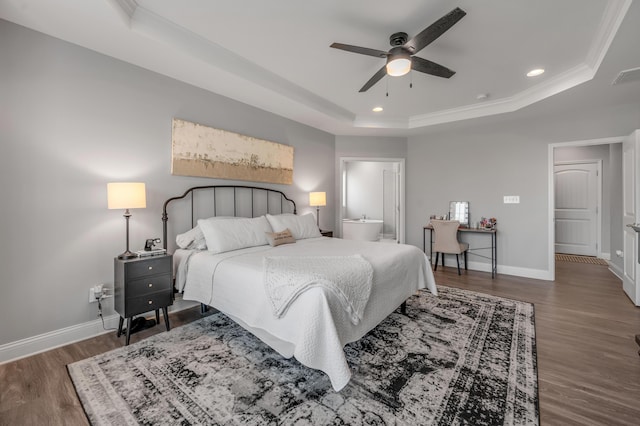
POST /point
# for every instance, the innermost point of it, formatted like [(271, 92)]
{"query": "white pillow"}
[(193, 239), (234, 234), (301, 227)]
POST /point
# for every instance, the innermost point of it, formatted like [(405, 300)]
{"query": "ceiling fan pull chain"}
[(387, 81), (411, 80)]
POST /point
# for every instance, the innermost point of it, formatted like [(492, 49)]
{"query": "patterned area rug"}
[(459, 358), (580, 259)]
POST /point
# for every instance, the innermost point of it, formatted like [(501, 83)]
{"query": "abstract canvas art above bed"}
[(198, 150)]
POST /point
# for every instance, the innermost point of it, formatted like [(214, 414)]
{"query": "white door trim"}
[(631, 215), (551, 237), (598, 163), (401, 215)]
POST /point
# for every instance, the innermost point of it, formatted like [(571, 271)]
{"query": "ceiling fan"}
[(400, 59)]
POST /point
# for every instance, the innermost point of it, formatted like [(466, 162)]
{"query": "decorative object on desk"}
[(489, 223), (317, 200), (126, 195), (474, 355), (198, 150)]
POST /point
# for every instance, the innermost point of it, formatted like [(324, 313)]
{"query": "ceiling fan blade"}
[(434, 30), (373, 80), (360, 50), (428, 67)]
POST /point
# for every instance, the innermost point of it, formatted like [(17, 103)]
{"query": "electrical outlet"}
[(95, 293)]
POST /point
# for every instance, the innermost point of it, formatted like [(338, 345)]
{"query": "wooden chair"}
[(446, 241)]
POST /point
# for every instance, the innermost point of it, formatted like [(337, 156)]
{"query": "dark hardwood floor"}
[(588, 363)]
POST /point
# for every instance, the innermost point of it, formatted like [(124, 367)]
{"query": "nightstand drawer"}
[(148, 285), (150, 302), (161, 265)]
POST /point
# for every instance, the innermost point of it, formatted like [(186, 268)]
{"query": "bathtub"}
[(361, 229)]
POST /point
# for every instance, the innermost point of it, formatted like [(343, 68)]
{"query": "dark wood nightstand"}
[(141, 285), (327, 233)]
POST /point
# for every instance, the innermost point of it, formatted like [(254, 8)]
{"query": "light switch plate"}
[(512, 199)]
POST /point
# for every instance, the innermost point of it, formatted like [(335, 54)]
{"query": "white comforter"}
[(315, 327)]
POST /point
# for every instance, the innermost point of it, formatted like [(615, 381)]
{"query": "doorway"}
[(373, 188), (577, 207), (608, 235)]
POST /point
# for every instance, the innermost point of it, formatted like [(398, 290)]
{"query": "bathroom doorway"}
[(372, 189)]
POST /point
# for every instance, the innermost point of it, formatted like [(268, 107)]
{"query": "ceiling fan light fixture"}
[(398, 62)]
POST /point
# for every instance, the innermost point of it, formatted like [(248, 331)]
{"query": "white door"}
[(576, 208), (630, 215)]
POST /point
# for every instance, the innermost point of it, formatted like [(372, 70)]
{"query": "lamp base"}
[(127, 255)]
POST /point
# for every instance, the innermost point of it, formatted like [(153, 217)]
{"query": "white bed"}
[(315, 328), (224, 267)]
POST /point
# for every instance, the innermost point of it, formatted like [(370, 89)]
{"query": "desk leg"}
[(494, 255), (431, 245)]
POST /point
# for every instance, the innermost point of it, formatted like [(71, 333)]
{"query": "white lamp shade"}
[(317, 199), (398, 67), (126, 195)]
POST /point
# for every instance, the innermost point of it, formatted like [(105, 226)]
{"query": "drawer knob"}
[(150, 267), (150, 285), (151, 302)]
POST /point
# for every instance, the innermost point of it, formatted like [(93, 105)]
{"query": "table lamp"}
[(317, 200), (126, 195)]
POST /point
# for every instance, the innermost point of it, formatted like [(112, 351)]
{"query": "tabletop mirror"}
[(459, 210)]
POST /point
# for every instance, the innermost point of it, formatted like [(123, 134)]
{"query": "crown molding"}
[(125, 9), (142, 20)]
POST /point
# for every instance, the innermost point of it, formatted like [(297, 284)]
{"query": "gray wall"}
[(73, 120), (481, 169), (483, 161)]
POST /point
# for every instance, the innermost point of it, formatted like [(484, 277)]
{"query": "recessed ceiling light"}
[(536, 72), (377, 109)]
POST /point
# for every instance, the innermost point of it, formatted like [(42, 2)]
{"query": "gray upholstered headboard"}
[(200, 202)]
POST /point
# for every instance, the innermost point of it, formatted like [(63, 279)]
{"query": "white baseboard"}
[(605, 256), (538, 274), (54, 339)]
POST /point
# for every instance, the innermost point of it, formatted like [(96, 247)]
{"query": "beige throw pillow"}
[(278, 238)]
